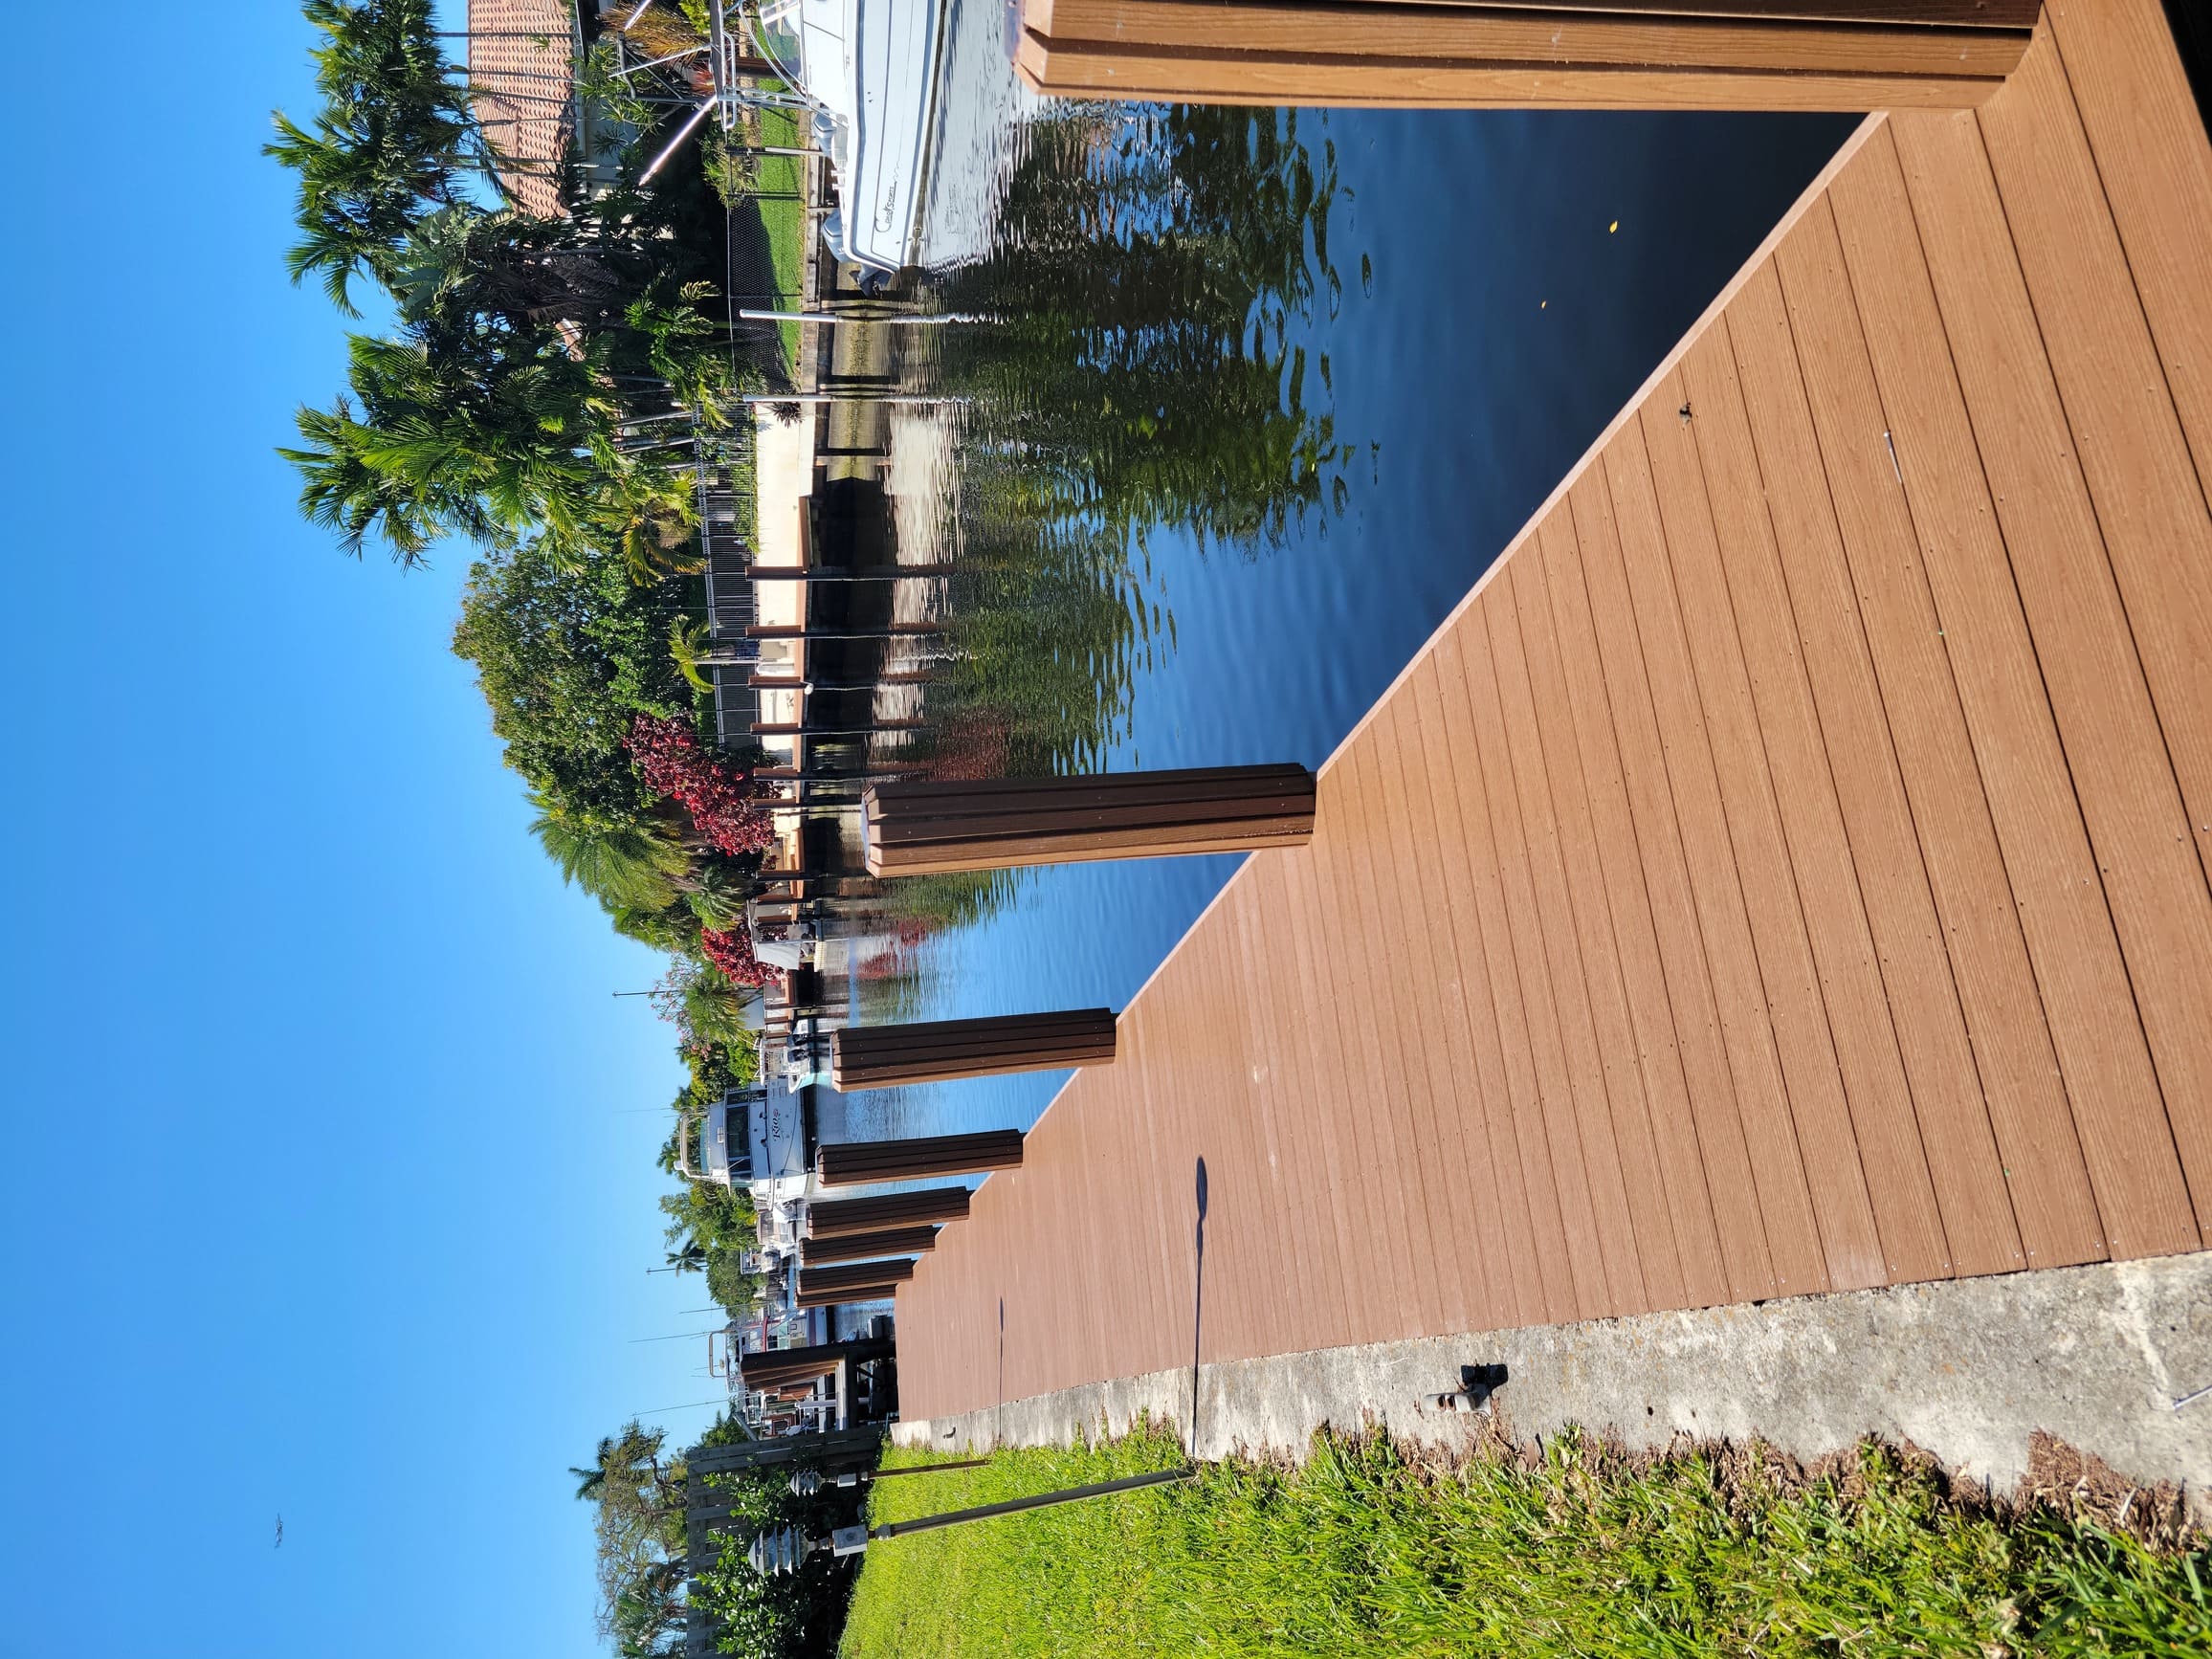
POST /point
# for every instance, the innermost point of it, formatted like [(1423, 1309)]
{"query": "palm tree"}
[(485, 438), (692, 1258), (618, 864), (392, 137), (524, 272), (631, 1459)]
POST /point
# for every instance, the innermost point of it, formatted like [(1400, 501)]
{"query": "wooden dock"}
[(1839, 55), (1785, 872)]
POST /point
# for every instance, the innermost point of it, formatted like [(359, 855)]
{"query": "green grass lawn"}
[(785, 222), (1585, 1551)]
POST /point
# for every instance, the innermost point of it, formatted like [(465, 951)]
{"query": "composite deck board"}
[(1363, 1272), (1276, 1231), (1685, 778), (1156, 1249), (2154, 164), (1175, 1098), (1777, 874), (1244, 1268), (1643, 1190), (1831, 1023), (1552, 569), (1563, 958), (2148, 499), (1464, 1150), (1551, 1113), (1428, 1094), (1375, 1068), (1621, 694), (1316, 1306), (1093, 69), (1340, 941), (2050, 957), (1306, 1011), (1835, 1047), (1956, 1018), (1555, 34), (2143, 486), (1520, 1109), (1400, 782), (1282, 1173), (2114, 749), (1505, 1220), (1855, 731)]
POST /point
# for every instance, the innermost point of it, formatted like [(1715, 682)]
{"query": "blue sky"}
[(324, 1191)]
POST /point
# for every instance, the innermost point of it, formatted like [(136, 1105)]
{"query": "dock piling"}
[(941, 1050)]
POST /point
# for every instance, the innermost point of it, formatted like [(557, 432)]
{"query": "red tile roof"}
[(521, 60)]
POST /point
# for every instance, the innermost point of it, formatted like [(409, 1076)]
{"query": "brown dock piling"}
[(920, 1157), (930, 828), (779, 1367), (836, 1298), (939, 1051), (860, 1246), (858, 1282), (843, 1217)]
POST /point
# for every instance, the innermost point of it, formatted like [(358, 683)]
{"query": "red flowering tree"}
[(670, 759), (732, 951)]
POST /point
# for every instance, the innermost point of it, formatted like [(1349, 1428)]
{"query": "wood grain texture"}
[(917, 1158), (838, 1217), (2149, 503), (1621, 689), (1585, 1067), (2047, 964), (1583, 889), (1962, 1000), (1553, 571), (1932, 1129), (2154, 162), (915, 828), (1772, 877), (881, 1056), (1093, 69), (1448, 34), (1639, 621), (2086, 648), (1830, 1022), (905, 1241)]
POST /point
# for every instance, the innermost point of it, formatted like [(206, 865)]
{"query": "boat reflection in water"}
[(913, 102)]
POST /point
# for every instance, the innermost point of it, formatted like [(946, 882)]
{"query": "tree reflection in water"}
[(1151, 267)]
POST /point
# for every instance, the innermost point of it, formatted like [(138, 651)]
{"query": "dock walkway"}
[(1785, 872)]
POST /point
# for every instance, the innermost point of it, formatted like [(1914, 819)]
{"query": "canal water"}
[(1242, 546)]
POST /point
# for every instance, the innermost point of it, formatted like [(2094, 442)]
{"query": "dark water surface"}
[(1491, 321)]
